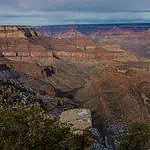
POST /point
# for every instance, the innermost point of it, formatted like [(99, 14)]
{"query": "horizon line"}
[(69, 24)]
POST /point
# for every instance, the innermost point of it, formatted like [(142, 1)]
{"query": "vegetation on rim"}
[(136, 138)]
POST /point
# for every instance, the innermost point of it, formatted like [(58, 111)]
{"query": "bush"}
[(31, 128), (136, 138)]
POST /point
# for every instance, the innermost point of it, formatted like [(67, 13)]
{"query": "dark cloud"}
[(74, 5)]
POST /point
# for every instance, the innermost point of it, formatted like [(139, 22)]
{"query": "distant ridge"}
[(102, 24), (23, 26)]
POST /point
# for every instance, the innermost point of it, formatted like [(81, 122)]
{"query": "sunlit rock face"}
[(11, 32), (18, 38), (79, 119), (17, 32)]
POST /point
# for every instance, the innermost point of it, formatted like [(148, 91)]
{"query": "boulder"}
[(79, 119)]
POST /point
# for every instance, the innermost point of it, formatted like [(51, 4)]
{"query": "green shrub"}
[(31, 128), (137, 136)]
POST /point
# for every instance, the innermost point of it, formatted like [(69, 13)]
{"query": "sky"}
[(52, 12)]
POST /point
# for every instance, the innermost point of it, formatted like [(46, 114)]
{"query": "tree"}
[(137, 136), (31, 128)]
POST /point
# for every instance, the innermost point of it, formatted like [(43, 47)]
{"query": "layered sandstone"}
[(10, 32), (18, 38), (28, 45), (74, 56)]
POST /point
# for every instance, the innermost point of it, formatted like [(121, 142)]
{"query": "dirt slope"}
[(118, 97)]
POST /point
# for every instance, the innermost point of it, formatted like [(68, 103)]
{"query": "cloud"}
[(75, 5), (63, 17), (73, 11)]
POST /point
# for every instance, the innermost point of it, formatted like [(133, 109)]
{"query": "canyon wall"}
[(47, 57), (23, 43), (10, 32)]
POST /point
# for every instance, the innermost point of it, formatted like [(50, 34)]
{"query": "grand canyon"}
[(102, 68)]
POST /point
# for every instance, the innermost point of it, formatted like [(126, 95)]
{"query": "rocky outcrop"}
[(19, 39), (11, 32), (79, 119), (72, 32), (17, 32)]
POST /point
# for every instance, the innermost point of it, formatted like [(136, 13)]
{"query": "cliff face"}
[(17, 32), (76, 57), (23, 43), (11, 32), (129, 40), (18, 38), (115, 96)]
